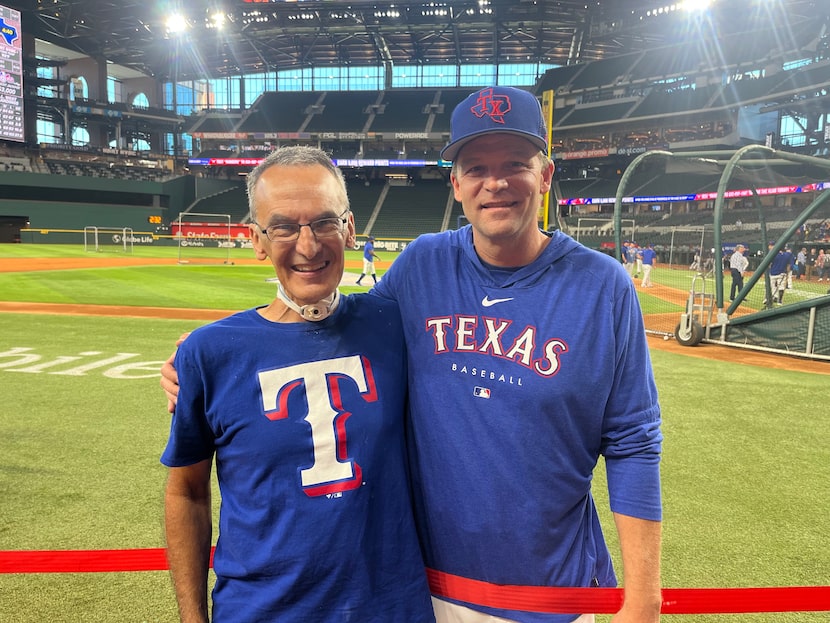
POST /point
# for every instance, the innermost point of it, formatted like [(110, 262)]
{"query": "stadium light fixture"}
[(693, 6), (217, 21), (176, 23), (688, 6)]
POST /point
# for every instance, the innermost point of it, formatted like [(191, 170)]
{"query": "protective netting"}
[(779, 302)]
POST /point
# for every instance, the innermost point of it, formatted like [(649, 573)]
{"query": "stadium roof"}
[(263, 36)]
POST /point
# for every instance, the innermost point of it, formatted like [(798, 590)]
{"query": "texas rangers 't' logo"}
[(495, 106)]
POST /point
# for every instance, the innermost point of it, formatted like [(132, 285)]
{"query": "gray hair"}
[(294, 156)]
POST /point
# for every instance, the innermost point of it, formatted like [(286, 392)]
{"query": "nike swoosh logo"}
[(488, 302)]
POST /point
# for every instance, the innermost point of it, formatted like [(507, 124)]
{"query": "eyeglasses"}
[(321, 228)]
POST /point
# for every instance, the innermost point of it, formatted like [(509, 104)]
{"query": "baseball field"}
[(746, 463)]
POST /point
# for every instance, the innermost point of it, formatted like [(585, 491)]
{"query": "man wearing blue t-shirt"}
[(647, 256), (300, 403)]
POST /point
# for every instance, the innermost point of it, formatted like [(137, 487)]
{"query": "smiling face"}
[(500, 180), (308, 268)]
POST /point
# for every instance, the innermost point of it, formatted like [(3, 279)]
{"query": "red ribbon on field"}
[(609, 600), (85, 560), (528, 598)]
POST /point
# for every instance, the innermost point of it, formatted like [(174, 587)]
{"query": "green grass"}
[(211, 287), (745, 476), (202, 286), (139, 251), (79, 466), (745, 470)]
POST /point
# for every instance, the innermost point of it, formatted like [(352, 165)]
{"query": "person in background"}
[(822, 265), (514, 396), (738, 263), (301, 404), (780, 273), (647, 256), (639, 260), (629, 266), (811, 263), (369, 258), (695, 265), (633, 265), (801, 264)]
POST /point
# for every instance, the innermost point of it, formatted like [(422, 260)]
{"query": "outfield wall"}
[(142, 237), (66, 202), (55, 215)]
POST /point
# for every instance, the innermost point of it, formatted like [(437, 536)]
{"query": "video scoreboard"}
[(11, 76)]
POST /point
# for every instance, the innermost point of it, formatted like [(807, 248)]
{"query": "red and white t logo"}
[(333, 470)]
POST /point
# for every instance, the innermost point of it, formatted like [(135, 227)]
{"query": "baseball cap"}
[(370, 238), (496, 109)]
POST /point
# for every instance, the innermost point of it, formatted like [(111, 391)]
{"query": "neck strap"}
[(313, 311)]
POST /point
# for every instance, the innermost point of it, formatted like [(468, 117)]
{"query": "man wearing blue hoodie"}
[(527, 362)]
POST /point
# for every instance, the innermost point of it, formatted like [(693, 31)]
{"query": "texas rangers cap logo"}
[(494, 106), (486, 111)]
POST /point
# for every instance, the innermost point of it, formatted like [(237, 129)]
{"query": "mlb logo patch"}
[(481, 392)]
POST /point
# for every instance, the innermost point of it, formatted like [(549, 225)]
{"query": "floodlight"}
[(217, 20), (696, 5), (176, 23)]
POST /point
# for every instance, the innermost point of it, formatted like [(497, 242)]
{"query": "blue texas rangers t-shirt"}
[(305, 421)]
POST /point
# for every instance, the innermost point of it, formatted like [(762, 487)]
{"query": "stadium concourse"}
[(708, 351)]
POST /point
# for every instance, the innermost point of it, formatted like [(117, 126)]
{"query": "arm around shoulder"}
[(169, 377)]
